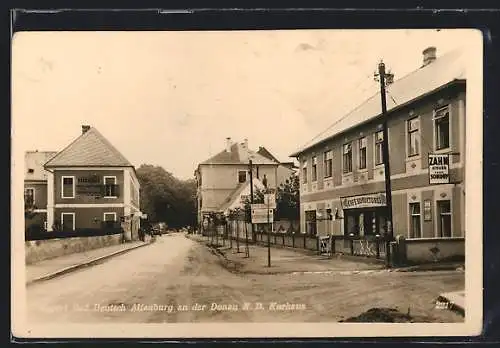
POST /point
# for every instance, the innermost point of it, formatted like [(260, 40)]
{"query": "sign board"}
[(89, 189), (262, 216), (427, 210), (364, 201), (439, 169)]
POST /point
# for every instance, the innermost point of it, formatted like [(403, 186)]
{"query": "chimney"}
[(429, 55), (85, 128), (228, 144)]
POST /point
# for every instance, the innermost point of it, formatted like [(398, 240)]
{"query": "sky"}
[(172, 98)]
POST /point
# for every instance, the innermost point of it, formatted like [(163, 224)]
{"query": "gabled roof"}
[(239, 154), (238, 191), (89, 149), (265, 152), (448, 68), (33, 164)]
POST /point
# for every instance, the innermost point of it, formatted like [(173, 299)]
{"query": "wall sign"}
[(439, 169), (364, 201), (427, 210)]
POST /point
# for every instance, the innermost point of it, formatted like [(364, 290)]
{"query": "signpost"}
[(439, 169)]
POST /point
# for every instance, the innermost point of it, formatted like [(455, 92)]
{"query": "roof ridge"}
[(64, 149)]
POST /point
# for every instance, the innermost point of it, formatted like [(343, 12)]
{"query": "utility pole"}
[(268, 234), (250, 165), (385, 154)]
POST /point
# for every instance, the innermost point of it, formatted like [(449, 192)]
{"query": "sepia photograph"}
[(270, 183)]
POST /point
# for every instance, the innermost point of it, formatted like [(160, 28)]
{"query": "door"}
[(68, 221)]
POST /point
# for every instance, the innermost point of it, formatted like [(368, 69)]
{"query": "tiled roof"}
[(265, 152), (235, 195), (440, 72), (89, 149), (239, 154), (33, 164)]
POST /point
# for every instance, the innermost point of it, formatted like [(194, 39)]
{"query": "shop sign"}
[(439, 169), (364, 201), (89, 189), (427, 210)]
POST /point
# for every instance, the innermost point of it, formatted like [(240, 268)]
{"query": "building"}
[(35, 188), (224, 180), (342, 172), (91, 184)]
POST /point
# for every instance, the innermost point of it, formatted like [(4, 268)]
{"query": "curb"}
[(82, 265)]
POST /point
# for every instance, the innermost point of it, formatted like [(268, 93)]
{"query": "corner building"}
[(342, 173)]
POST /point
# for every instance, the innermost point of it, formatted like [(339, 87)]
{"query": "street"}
[(177, 279)]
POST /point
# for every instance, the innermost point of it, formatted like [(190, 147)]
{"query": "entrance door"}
[(68, 221)]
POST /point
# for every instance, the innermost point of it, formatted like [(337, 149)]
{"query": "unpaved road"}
[(179, 280)]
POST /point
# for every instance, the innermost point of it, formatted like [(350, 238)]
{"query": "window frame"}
[(304, 172), (411, 215), (109, 213), (73, 217), (246, 176), (439, 215), (435, 128), (344, 154), (328, 163), (376, 143), (360, 148), (105, 185), (33, 195), (409, 133), (314, 169), (72, 177)]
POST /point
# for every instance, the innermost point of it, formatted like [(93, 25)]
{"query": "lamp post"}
[(382, 77)]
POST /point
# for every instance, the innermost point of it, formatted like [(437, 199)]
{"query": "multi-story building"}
[(35, 188), (90, 183), (225, 178), (342, 172)]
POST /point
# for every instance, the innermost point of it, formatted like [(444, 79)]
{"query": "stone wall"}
[(40, 250), (434, 250)]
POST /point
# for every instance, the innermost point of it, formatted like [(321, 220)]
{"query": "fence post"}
[(378, 248), (332, 246), (352, 246), (304, 241), (293, 240), (318, 247)]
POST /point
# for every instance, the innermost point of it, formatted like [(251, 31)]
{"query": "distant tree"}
[(166, 198), (288, 199)]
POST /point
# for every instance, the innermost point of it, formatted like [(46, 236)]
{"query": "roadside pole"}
[(237, 233), (268, 235), (385, 154)]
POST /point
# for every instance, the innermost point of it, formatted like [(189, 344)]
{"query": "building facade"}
[(224, 178), (342, 174), (90, 185), (35, 188)]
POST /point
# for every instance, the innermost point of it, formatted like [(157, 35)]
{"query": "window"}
[(304, 172), (442, 128), (415, 231), (242, 176), (444, 218), (68, 221), (328, 164), (68, 187), (362, 153), (110, 187), (413, 137), (29, 196), (379, 140), (311, 222), (109, 219), (314, 173), (347, 158)]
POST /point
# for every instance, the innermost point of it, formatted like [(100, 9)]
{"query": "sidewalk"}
[(51, 268), (290, 261)]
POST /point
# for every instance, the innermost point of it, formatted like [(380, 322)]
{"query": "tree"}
[(288, 199), (165, 198)]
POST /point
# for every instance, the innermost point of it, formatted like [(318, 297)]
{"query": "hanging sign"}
[(439, 169), (427, 210), (364, 201)]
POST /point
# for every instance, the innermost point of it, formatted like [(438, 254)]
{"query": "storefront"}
[(365, 215)]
